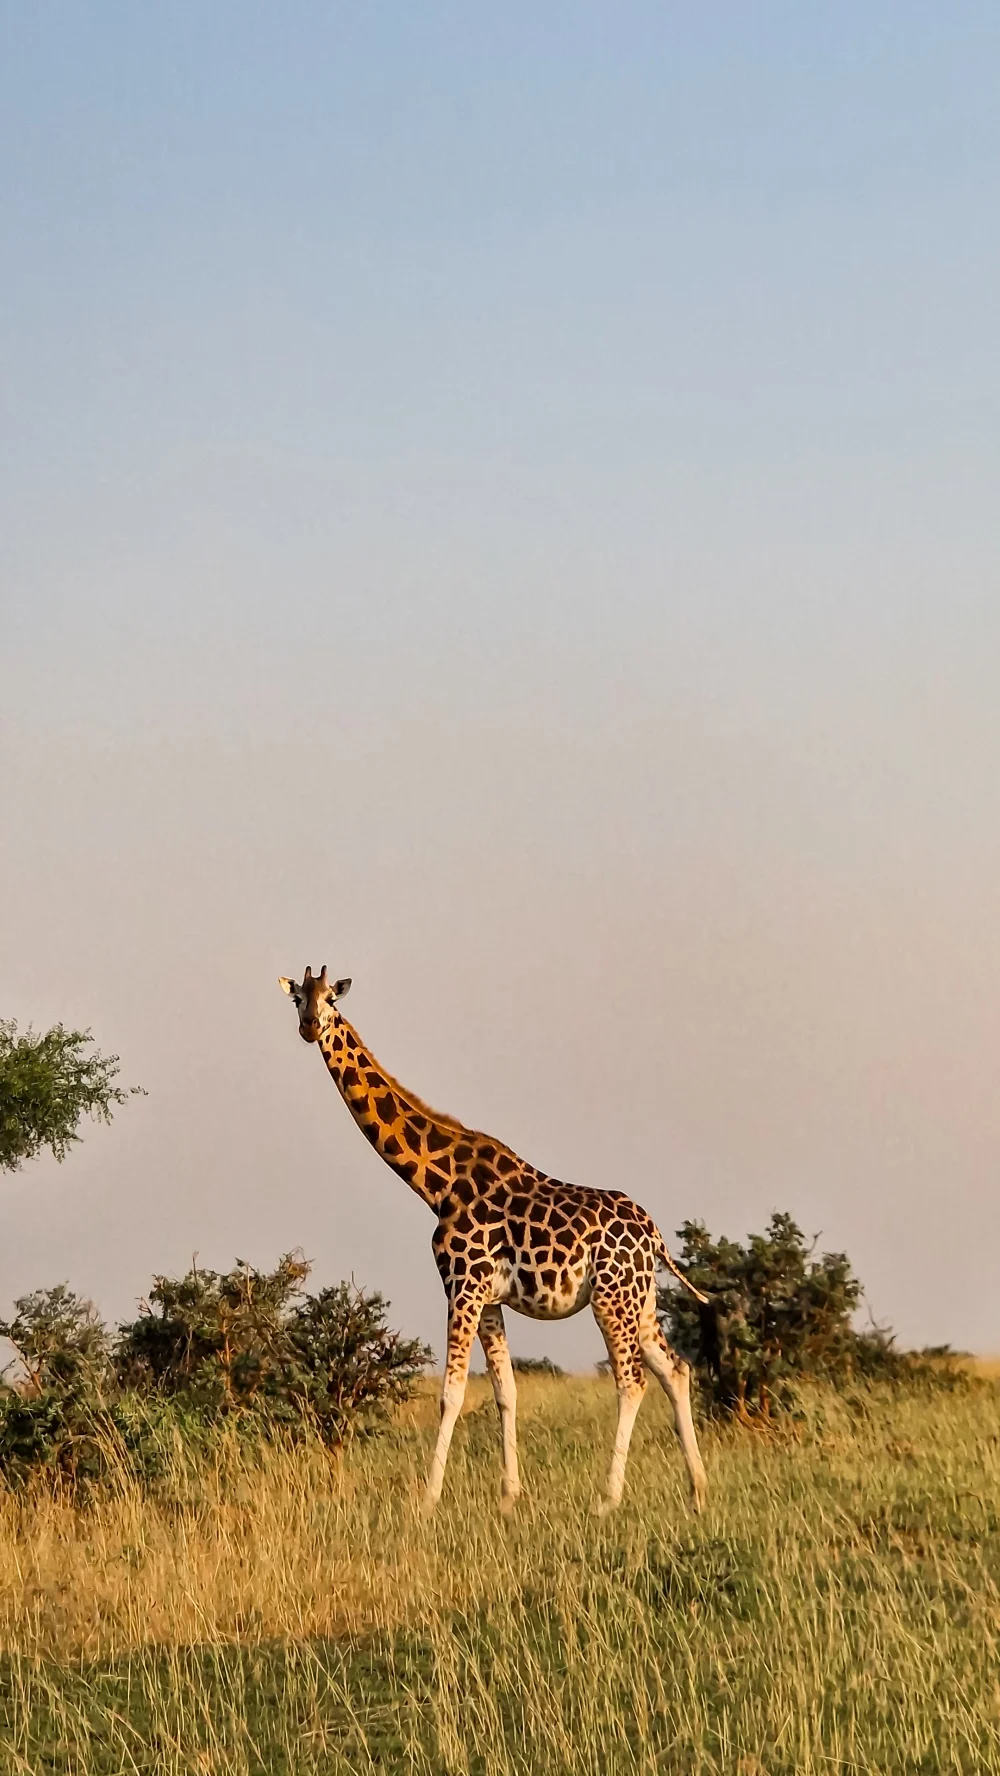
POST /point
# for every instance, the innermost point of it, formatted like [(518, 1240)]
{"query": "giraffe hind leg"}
[(618, 1322), (674, 1376), (493, 1339)]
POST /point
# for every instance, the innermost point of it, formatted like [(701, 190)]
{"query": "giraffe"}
[(508, 1235)]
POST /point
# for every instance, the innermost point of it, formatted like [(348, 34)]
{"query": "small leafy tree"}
[(55, 1418), (217, 1338), (776, 1312), (346, 1369), (244, 1344), (47, 1083), (254, 1341), (61, 1339)]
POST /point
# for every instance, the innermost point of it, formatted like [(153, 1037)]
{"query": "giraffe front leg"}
[(493, 1338), (463, 1319), (620, 1330)]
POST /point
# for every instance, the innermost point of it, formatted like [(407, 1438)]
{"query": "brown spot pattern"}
[(504, 1230)]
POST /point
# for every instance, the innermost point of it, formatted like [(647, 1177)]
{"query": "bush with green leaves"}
[(251, 1347), (62, 1341), (216, 1338), (245, 1340), (56, 1413), (347, 1370), (47, 1083), (778, 1312)]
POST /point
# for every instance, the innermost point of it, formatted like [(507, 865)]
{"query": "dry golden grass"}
[(837, 1609)]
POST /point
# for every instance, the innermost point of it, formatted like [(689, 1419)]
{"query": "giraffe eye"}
[(331, 998)]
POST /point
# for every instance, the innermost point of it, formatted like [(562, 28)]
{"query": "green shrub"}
[(215, 1339), (777, 1313), (53, 1420), (254, 1341), (61, 1339), (246, 1346)]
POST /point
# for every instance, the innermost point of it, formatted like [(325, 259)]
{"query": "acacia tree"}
[(48, 1082)]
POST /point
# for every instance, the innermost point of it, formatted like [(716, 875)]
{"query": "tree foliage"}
[(206, 1347), (48, 1082), (217, 1338), (245, 1340), (61, 1338), (55, 1417), (777, 1312), (243, 1344)]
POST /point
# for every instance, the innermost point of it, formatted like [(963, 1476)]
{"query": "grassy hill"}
[(836, 1609)]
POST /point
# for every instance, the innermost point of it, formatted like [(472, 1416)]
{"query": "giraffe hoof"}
[(508, 1502), (605, 1506)]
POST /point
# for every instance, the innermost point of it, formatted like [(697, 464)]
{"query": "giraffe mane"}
[(441, 1117), (438, 1116)]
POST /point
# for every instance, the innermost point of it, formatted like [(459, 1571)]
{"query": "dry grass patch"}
[(837, 1608)]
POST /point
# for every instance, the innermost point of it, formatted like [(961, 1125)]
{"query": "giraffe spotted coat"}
[(508, 1235)]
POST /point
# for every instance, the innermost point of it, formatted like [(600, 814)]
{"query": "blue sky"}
[(505, 504)]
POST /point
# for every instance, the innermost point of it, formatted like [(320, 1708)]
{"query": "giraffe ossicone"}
[(506, 1235)]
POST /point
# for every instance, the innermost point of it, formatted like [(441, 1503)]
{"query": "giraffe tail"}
[(679, 1274)]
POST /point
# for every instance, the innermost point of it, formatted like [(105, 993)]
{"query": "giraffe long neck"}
[(416, 1142)]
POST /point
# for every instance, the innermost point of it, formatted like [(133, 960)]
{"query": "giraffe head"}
[(315, 998)]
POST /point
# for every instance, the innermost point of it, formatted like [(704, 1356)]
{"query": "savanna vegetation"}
[(268, 1607), (210, 1561), (777, 1313), (213, 1559), (248, 1347)]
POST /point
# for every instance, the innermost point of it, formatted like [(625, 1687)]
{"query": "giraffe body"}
[(508, 1235)]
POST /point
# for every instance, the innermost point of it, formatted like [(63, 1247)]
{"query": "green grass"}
[(836, 1609)]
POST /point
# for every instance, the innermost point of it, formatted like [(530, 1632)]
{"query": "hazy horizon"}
[(506, 506)]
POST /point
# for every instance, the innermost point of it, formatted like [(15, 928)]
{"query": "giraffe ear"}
[(341, 988), (288, 986)]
